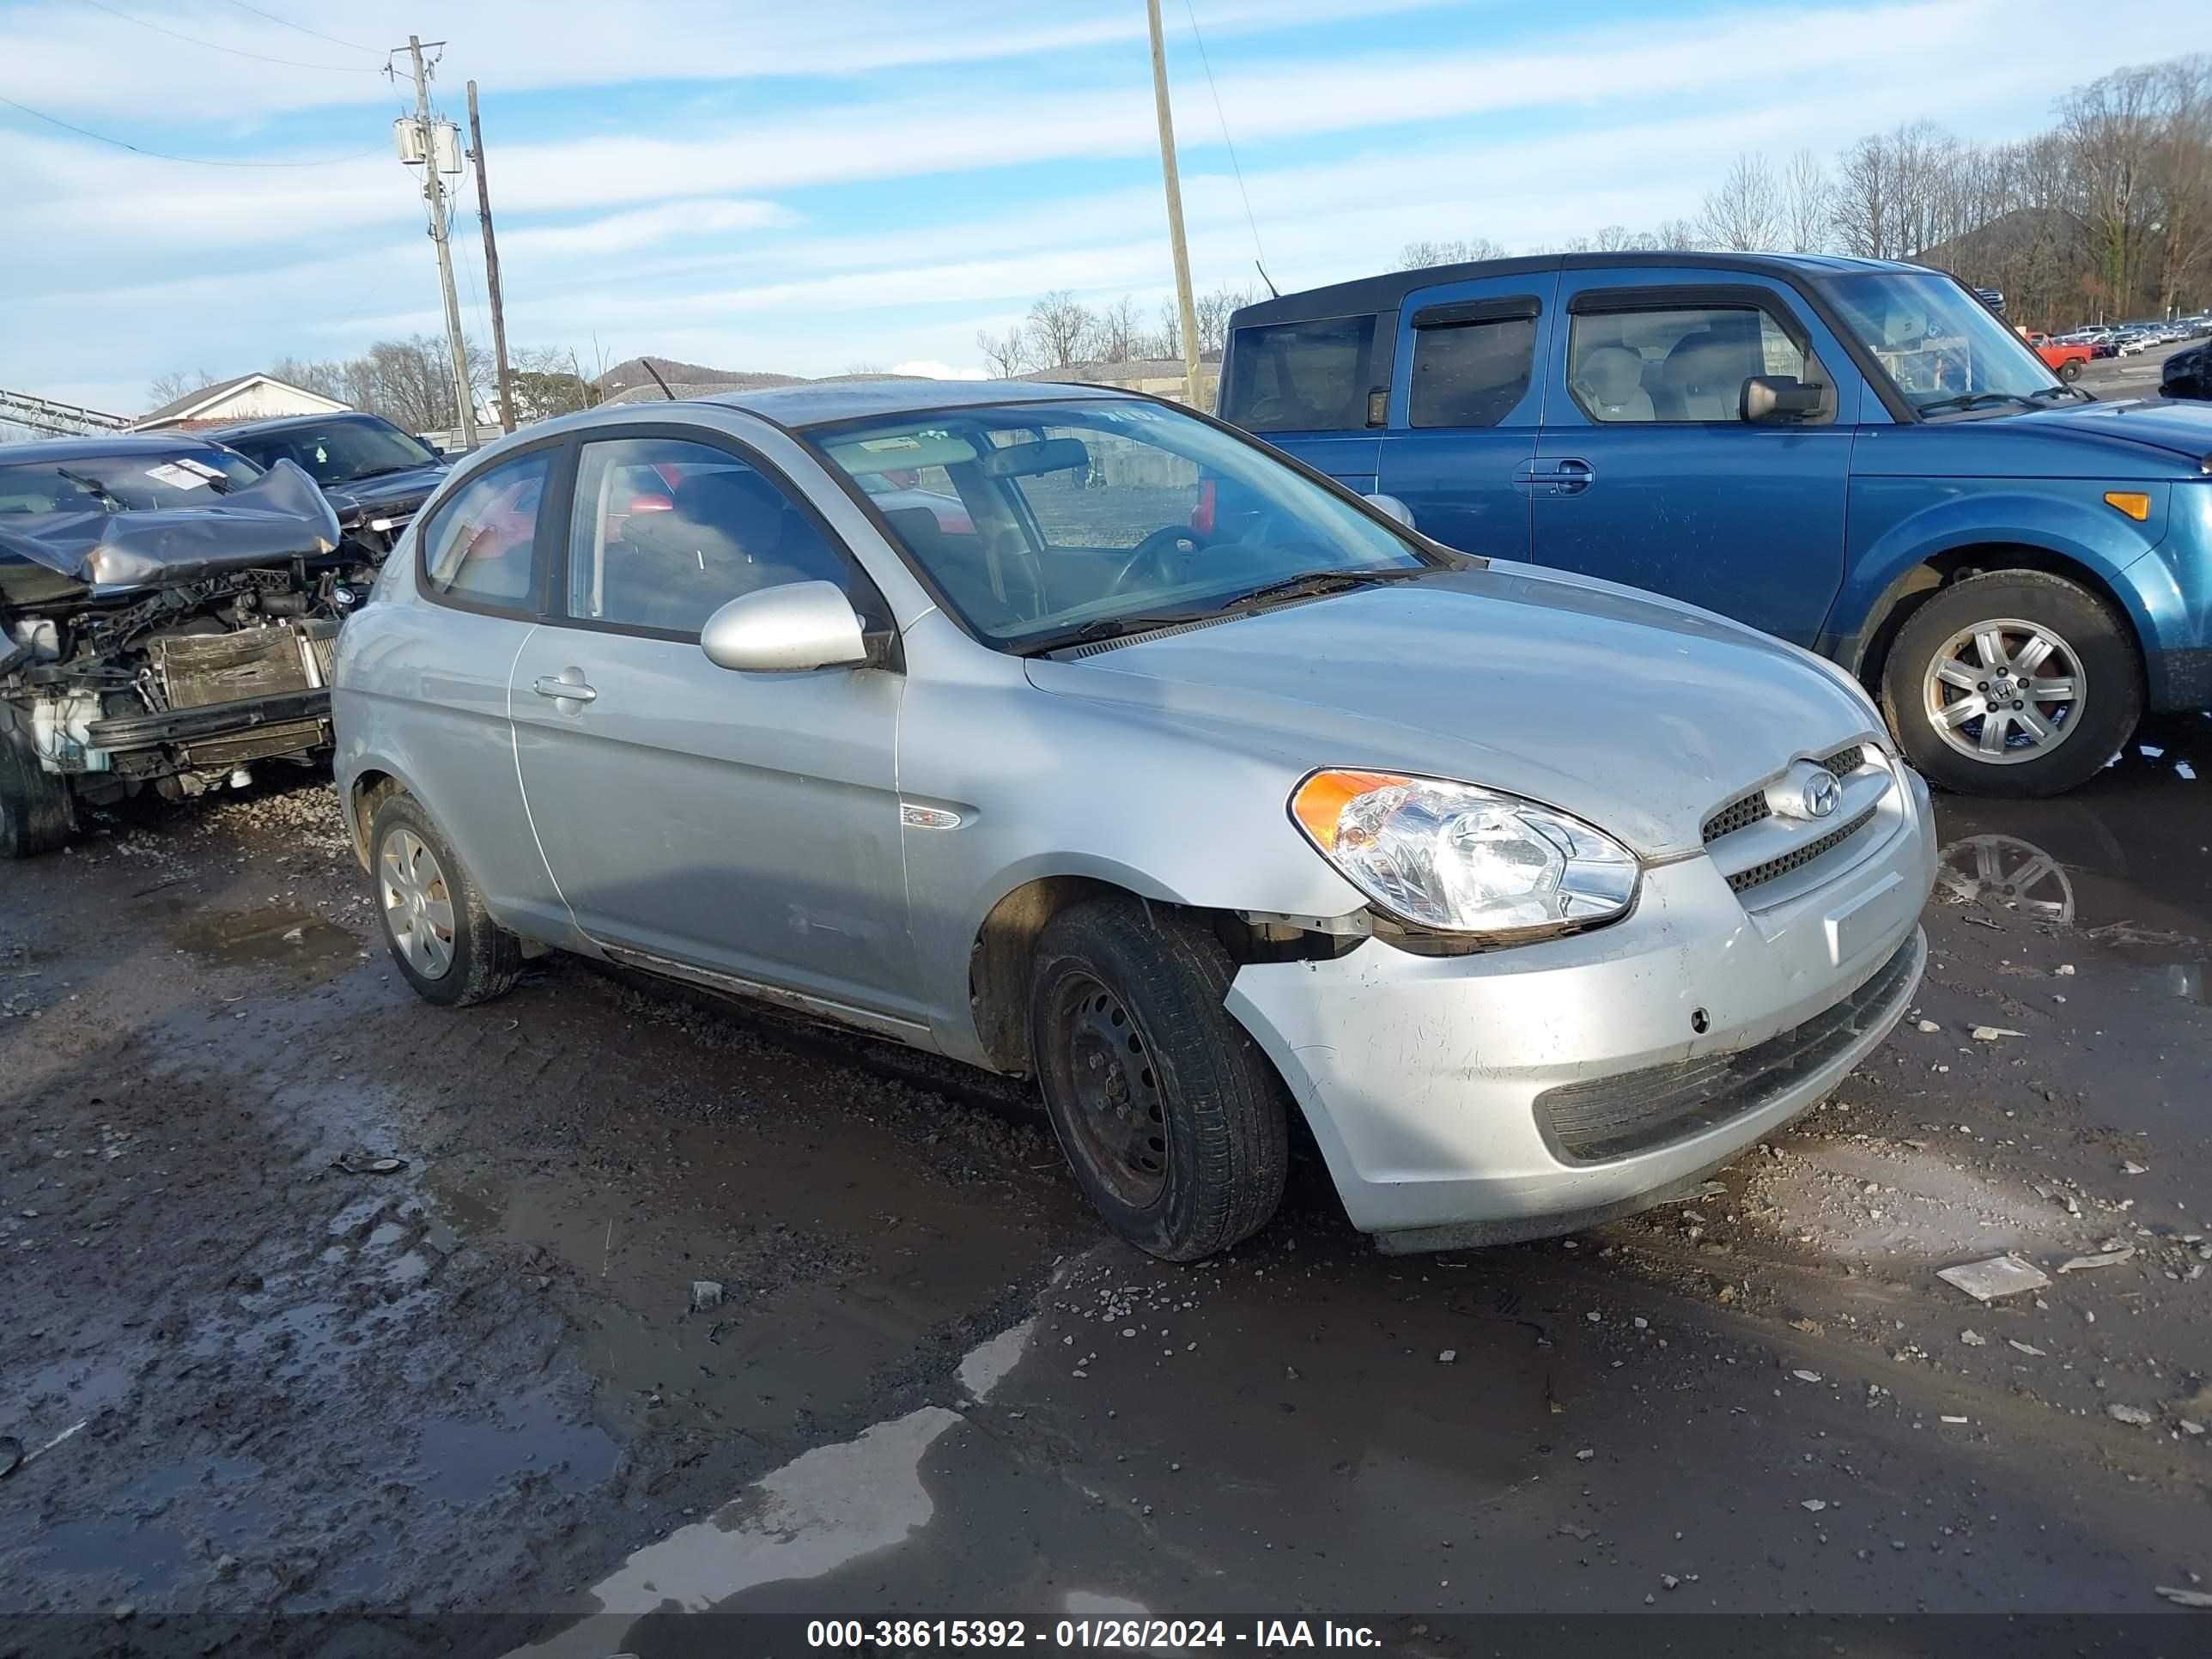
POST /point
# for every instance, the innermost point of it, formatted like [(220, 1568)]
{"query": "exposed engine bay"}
[(169, 649)]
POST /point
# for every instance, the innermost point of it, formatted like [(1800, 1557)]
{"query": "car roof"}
[(92, 448), (288, 422), (1388, 291), (819, 403)]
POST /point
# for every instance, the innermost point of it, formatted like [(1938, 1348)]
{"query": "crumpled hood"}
[(280, 515), (1632, 712)]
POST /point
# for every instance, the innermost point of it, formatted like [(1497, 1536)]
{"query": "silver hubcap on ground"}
[(418, 906), (2005, 691)]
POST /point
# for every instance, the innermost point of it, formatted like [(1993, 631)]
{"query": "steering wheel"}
[(1159, 555)]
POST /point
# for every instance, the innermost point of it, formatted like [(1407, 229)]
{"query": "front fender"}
[(1899, 524)]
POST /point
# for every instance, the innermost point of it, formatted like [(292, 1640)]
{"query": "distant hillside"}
[(629, 381)]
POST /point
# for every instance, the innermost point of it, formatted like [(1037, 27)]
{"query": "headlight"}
[(1463, 859)]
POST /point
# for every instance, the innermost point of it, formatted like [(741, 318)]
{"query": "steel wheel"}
[(418, 905), (2004, 692), (1105, 1070)]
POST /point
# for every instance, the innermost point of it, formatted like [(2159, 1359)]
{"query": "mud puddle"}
[(277, 936)]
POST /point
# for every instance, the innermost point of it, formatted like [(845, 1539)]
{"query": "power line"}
[(287, 23), (1223, 116), (189, 161), (194, 40)]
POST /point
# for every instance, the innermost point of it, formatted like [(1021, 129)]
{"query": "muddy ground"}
[(259, 1374)]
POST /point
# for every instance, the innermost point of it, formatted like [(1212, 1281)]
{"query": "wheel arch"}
[(1867, 653), (1002, 951)]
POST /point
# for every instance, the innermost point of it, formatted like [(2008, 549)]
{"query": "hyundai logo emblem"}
[(1822, 797)]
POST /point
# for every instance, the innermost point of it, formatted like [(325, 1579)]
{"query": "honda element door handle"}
[(549, 685)]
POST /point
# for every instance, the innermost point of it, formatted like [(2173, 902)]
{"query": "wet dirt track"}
[(477, 1382)]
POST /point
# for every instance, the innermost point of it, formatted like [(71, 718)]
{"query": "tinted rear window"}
[(1300, 377)]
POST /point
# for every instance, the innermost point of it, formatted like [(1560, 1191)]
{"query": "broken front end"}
[(169, 650)]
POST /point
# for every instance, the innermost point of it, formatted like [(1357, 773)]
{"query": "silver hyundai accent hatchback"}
[(1078, 737)]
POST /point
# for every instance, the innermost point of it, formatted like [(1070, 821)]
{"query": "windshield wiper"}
[(382, 471), (1313, 584), (86, 481), (1976, 400), (1107, 628)]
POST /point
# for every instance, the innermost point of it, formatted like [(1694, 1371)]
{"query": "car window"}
[(1471, 374), (1091, 505), (1084, 515), (1300, 377), (139, 481), (1688, 364), (664, 534), (480, 545), (340, 452)]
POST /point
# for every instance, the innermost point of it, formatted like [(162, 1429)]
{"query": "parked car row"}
[(1475, 774), (2126, 339), (169, 604)]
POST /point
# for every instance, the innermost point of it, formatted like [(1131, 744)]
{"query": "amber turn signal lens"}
[(2133, 503), (1321, 798)]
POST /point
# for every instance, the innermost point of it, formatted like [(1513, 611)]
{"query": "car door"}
[(1646, 471), (1465, 402), (730, 826), (475, 589)]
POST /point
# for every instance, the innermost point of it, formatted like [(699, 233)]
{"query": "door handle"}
[(552, 685), (1573, 475)]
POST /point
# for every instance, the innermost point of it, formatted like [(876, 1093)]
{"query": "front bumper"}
[(1433, 1084)]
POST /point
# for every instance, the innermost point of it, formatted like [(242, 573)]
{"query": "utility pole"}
[(1189, 309), (491, 270), (434, 198)]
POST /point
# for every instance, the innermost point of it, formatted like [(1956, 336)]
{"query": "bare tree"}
[(1060, 329), (1213, 309), (1807, 207), (176, 383), (1120, 335), (1614, 239), (2181, 174), (1745, 212), (1007, 354), (1453, 250), (326, 377), (1862, 209), (2111, 131)]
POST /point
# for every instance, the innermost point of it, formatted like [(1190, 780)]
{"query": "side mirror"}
[(1769, 397), (1391, 507), (786, 630)]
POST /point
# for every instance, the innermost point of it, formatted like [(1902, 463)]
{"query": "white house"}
[(244, 398)]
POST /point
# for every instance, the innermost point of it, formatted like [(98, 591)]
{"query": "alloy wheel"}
[(2005, 690), (418, 904)]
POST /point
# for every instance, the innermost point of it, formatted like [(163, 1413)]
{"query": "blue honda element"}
[(1856, 455)]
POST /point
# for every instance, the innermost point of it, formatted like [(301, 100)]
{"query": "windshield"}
[(1943, 348), (144, 482), (1042, 522), (342, 451)]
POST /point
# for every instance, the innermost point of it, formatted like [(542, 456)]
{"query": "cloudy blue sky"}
[(808, 187)]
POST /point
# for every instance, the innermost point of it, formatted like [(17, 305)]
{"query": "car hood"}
[(387, 491), (2185, 429), (1633, 712), (280, 515)]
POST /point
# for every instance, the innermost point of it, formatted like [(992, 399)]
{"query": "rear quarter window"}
[(1301, 377)]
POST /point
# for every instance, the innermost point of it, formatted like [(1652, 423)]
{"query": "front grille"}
[(1638, 1111), (1737, 815), (1749, 809), (198, 669), (1744, 880)]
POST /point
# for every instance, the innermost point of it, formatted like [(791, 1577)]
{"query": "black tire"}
[(483, 960), (1188, 1069), (38, 813), (2070, 370), (2093, 730)]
